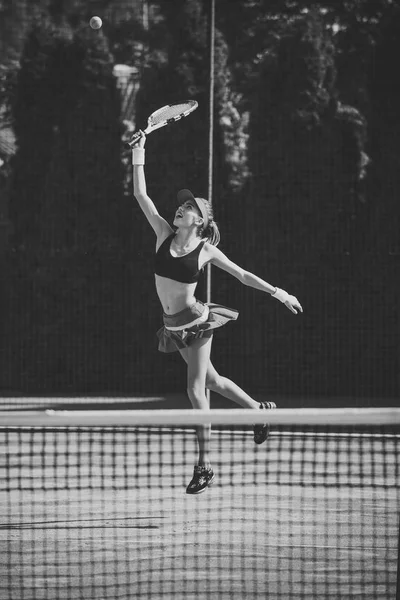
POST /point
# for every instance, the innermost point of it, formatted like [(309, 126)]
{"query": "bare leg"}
[(224, 386), (197, 357)]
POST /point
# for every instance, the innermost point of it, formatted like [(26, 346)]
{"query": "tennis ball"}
[(96, 22)]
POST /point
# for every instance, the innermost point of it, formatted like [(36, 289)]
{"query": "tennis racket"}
[(164, 116)]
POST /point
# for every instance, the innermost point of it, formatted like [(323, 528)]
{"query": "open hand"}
[(289, 301), (292, 304)]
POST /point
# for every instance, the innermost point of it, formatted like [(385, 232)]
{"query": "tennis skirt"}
[(197, 321)]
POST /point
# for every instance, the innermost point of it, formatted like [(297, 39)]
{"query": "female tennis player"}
[(182, 252)]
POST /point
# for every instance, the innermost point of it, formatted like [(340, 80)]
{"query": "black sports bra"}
[(179, 268)]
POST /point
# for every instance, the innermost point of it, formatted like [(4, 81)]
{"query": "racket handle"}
[(134, 139)]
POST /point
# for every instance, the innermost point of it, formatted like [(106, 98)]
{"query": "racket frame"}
[(193, 104)]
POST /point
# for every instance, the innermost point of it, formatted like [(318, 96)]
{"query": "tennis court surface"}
[(93, 506)]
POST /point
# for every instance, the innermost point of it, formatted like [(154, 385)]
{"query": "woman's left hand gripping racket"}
[(164, 116)]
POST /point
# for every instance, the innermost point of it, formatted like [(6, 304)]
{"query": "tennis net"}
[(93, 505)]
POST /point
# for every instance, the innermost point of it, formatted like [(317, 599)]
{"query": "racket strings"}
[(170, 112)]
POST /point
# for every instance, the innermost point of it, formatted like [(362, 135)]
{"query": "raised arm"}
[(160, 225), (219, 259)]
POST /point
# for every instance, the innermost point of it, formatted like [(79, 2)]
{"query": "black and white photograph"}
[(200, 334)]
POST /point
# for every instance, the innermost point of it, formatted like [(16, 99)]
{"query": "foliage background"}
[(306, 192)]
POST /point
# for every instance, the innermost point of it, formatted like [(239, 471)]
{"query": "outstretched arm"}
[(160, 225), (219, 259)]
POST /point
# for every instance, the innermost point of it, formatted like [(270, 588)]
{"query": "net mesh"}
[(96, 511), (170, 112)]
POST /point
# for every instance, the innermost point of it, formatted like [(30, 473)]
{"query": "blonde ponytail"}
[(212, 233)]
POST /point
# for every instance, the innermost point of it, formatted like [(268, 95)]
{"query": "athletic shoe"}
[(261, 432), (202, 478)]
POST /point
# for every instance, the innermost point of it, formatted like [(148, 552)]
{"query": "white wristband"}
[(138, 156), (281, 295)]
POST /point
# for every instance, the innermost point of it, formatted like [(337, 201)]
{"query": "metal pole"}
[(211, 127), (211, 139)]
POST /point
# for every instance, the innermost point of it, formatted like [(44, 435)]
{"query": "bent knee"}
[(213, 381)]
